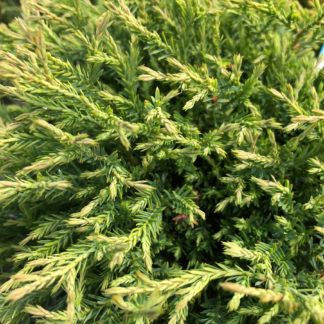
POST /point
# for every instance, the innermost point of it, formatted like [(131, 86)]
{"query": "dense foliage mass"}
[(162, 161)]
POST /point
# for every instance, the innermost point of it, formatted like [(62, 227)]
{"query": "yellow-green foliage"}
[(162, 161)]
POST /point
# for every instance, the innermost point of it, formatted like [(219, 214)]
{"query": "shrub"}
[(162, 161)]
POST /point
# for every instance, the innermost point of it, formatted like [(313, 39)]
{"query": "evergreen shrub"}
[(162, 161)]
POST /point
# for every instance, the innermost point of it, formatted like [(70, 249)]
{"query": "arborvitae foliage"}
[(162, 161)]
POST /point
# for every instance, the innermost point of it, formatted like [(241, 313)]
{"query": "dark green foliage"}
[(8, 10), (162, 161)]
